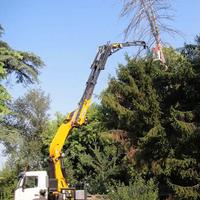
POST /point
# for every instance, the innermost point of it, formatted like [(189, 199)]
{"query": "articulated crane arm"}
[(78, 117)]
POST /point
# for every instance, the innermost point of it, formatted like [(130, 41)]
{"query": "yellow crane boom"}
[(76, 118)]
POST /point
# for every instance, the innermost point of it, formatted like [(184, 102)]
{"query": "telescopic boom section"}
[(78, 117)]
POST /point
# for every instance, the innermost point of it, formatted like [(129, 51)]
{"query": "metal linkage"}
[(98, 64)]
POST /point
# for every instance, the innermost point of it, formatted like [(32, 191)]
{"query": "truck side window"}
[(31, 182)]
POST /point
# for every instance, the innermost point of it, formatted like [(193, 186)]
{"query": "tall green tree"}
[(24, 66), (104, 164), (29, 120), (159, 111)]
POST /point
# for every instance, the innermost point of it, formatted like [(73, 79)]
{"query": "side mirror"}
[(21, 175)]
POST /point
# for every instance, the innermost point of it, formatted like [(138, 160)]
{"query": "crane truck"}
[(40, 185)]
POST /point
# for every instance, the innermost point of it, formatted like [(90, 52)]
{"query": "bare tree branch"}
[(151, 14), (147, 21)]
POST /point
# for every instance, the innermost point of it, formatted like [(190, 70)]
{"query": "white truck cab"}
[(31, 185), (34, 185)]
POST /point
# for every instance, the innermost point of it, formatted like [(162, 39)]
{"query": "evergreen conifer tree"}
[(159, 110)]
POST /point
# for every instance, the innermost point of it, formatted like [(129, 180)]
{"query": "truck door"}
[(29, 190)]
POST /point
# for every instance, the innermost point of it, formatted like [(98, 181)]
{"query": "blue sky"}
[(66, 34)]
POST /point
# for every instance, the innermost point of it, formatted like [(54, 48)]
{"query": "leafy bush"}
[(138, 190)]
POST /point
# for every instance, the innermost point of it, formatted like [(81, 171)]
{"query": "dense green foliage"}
[(22, 65), (159, 110), (8, 182), (134, 191), (29, 119)]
